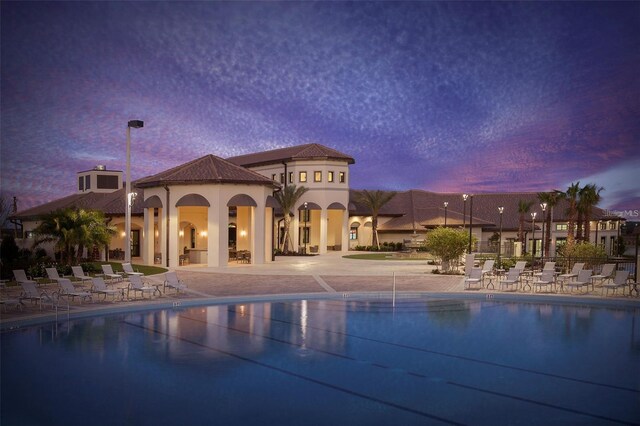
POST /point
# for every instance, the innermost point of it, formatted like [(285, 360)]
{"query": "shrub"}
[(447, 244)]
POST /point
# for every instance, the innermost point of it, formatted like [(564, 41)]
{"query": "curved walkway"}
[(330, 273)]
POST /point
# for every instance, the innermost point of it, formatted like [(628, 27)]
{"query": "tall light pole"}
[(543, 206), (470, 219), (501, 210), (136, 124), (304, 231), (446, 203), (464, 209), (533, 236)]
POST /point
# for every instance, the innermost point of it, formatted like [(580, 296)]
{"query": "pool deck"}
[(328, 274)]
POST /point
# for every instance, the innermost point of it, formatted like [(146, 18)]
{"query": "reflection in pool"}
[(329, 362)]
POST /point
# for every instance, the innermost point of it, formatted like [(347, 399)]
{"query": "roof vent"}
[(100, 167)]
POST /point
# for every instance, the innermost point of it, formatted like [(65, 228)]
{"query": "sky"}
[(442, 96)]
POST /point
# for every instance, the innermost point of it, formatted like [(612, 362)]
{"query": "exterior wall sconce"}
[(243, 233), (203, 234), (123, 234), (181, 233)]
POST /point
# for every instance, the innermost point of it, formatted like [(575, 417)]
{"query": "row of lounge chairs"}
[(98, 285), (547, 279)]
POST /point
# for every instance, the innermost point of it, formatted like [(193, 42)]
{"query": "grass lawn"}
[(385, 256)]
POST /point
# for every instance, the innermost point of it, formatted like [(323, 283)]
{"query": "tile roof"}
[(207, 169), (312, 151)]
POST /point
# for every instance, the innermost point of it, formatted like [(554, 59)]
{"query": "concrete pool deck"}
[(329, 274)]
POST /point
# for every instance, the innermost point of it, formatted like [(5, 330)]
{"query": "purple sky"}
[(474, 97)]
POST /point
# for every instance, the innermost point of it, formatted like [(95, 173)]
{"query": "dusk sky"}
[(474, 97)]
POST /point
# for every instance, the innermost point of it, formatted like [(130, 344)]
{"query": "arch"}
[(368, 224), (153, 202), (272, 202), (242, 200), (355, 224), (310, 206), (336, 206), (193, 200)]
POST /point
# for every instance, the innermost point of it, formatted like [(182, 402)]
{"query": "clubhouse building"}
[(212, 211)]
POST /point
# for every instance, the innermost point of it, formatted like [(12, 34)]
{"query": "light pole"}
[(470, 219), (543, 206), (501, 210), (597, 227), (533, 236), (136, 124), (304, 231), (446, 203), (464, 209)]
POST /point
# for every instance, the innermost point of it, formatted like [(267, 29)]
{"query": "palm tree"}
[(572, 211), (552, 199), (589, 197), (374, 201), (72, 230), (523, 209), (288, 197)]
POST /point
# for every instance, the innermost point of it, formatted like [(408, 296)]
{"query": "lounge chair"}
[(79, 274), (520, 264), (21, 277), (30, 292), (172, 281), (546, 279), (128, 269), (513, 279), (620, 280), (52, 274), (107, 271), (549, 266), (468, 264), (584, 279), (577, 267), (475, 277), (67, 289), (606, 274), (136, 284), (99, 286), (487, 269)]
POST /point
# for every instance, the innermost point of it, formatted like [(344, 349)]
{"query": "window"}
[(329, 176), (561, 227), (353, 233), (317, 176), (612, 225), (281, 177), (290, 177), (603, 226), (303, 177), (87, 182), (81, 183), (342, 177), (273, 176), (107, 182)]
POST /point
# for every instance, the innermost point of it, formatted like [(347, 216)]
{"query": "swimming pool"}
[(330, 362)]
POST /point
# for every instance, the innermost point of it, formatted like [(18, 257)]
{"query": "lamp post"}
[(543, 206), (446, 203), (501, 210), (464, 209), (597, 227), (304, 231), (533, 236), (129, 197), (470, 219)]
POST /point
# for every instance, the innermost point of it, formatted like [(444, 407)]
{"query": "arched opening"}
[(241, 235), (193, 240)]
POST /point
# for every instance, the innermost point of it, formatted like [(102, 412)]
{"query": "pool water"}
[(329, 362)]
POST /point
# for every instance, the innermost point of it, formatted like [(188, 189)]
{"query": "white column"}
[(148, 237), (218, 223), (268, 233), (258, 233), (174, 255), (323, 232), (295, 230), (345, 231), (162, 228)]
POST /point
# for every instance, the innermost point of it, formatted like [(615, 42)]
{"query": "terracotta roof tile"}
[(299, 152)]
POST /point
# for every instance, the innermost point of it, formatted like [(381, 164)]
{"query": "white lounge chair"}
[(513, 279), (100, 287), (520, 264), (172, 281), (21, 277), (549, 266), (136, 284), (487, 269), (584, 279), (620, 280), (79, 274), (606, 274), (577, 267), (52, 274), (30, 292), (107, 271), (128, 269), (475, 277), (546, 279), (468, 264), (67, 289)]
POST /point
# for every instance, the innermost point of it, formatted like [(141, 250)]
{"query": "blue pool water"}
[(329, 362)]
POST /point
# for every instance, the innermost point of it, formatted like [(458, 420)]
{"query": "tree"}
[(552, 199), (72, 230), (572, 211), (523, 209), (589, 198), (448, 244), (374, 201), (288, 197)]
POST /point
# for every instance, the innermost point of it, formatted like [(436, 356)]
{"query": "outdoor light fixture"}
[(533, 236), (446, 203), (136, 124), (470, 219), (500, 210), (243, 233), (543, 206), (203, 234), (304, 230), (181, 233), (464, 208)]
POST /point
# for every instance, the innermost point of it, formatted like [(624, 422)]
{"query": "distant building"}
[(209, 210)]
